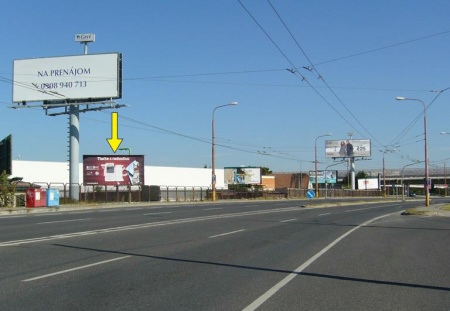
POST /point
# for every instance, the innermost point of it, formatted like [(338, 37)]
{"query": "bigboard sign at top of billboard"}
[(113, 170), (92, 76), (347, 148), (242, 175)]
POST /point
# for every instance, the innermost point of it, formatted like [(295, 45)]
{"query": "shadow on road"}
[(318, 275)]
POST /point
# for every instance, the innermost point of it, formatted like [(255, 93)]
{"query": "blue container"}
[(52, 197)]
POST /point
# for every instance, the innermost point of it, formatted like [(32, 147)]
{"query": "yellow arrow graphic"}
[(114, 142)]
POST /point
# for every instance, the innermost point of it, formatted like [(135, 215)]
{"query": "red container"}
[(35, 197)]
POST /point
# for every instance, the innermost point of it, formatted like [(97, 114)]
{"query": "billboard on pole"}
[(242, 175), (329, 177), (368, 183), (113, 170), (347, 148), (91, 77)]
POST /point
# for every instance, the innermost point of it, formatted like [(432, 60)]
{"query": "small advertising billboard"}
[(242, 175), (92, 76), (368, 183), (348, 148), (113, 170), (329, 177)]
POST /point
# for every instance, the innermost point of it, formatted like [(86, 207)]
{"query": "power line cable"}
[(384, 47), (320, 76), (294, 70)]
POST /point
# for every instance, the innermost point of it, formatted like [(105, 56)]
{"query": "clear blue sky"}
[(181, 59)]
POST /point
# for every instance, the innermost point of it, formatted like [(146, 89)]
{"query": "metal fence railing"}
[(145, 193)]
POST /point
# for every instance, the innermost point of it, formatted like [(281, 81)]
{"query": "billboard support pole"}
[(352, 172), (74, 145), (74, 151)]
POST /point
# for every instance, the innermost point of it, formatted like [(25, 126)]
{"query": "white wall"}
[(58, 172)]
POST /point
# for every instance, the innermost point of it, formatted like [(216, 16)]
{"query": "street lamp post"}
[(213, 157), (403, 177), (427, 175), (445, 172), (445, 177), (315, 161), (384, 171), (126, 149)]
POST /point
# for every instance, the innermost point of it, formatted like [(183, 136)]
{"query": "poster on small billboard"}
[(329, 177), (242, 175), (113, 170)]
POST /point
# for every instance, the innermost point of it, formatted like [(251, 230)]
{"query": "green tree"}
[(362, 175), (7, 190), (265, 171)]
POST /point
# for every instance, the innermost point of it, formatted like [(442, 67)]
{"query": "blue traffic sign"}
[(310, 194)]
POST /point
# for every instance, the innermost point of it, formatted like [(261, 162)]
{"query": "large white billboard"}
[(91, 77), (242, 175), (347, 148)]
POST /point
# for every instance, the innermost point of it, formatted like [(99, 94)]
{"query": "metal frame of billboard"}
[(112, 170), (91, 77), (340, 148), (247, 175)]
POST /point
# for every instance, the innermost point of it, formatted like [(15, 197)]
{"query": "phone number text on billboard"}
[(93, 76)]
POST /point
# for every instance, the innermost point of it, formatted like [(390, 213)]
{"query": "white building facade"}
[(58, 173)]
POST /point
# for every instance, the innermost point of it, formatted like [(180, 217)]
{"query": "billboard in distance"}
[(91, 76), (329, 177), (242, 175), (113, 170), (368, 183), (348, 148), (6, 155)]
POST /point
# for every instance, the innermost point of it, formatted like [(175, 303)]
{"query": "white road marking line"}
[(228, 233), (56, 221), (47, 214), (266, 296), (361, 209), (210, 209), (324, 214), (146, 225), (160, 213), (134, 209), (74, 269), (288, 220), (83, 212)]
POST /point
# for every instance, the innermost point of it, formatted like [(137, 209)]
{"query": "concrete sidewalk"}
[(432, 210)]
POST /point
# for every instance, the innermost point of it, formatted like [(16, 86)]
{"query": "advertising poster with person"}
[(348, 148), (113, 170)]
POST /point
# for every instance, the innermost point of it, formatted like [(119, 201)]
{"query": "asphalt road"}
[(272, 255)]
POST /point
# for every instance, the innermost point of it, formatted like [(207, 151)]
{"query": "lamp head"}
[(233, 103), (400, 98)]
